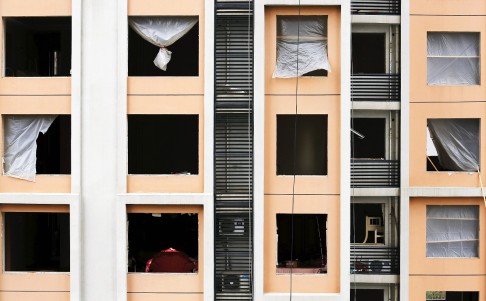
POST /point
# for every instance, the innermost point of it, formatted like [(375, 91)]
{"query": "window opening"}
[(308, 34), (36, 144), (311, 138), (173, 40), (369, 223), (369, 53), (163, 144), (309, 247), (163, 242), (451, 296), (452, 231), (453, 58), (37, 46), (367, 294), (372, 142), (36, 242), (453, 144)]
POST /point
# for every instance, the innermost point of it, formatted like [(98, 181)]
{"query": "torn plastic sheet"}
[(452, 231), (162, 32), (308, 35), (456, 142), (21, 132), (453, 58)]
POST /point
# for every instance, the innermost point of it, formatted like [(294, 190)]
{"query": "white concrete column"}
[(98, 149)]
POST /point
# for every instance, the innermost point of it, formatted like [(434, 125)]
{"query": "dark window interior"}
[(368, 53), (359, 212), (163, 144), (309, 240), (372, 145), (310, 133), (367, 295), (149, 234), (36, 241), (54, 148), (37, 46), (453, 296), (184, 60)]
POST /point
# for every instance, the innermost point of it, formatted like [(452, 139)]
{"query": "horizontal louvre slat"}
[(375, 173), (374, 260), (375, 87), (375, 7)]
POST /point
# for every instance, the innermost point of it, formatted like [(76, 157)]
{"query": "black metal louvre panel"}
[(233, 150)]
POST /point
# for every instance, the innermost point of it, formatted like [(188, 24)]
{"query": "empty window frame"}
[(302, 144), (368, 53), (368, 223), (368, 138), (451, 296), (36, 144), (163, 242), (453, 144), (452, 231), (307, 251), (163, 144), (37, 46), (301, 46), (36, 241), (367, 294), (172, 40), (453, 58)]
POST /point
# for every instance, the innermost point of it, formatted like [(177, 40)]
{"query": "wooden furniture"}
[(373, 223)]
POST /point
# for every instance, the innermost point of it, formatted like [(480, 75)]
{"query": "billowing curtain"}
[(453, 58), (162, 32), (456, 142), (452, 231), (20, 135), (308, 34)]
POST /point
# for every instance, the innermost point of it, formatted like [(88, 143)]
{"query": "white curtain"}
[(453, 58), (452, 231), (20, 135), (308, 34), (162, 32), (456, 142)]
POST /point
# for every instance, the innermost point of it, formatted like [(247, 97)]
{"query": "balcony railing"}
[(369, 173), (375, 87), (375, 260), (375, 7)]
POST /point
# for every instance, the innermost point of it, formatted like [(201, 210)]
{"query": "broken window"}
[(452, 231), (163, 242), (451, 296), (453, 58), (172, 40), (453, 144), (368, 53), (302, 144), (368, 223), (368, 138), (36, 144), (367, 294), (37, 46), (301, 46), (163, 144), (36, 241), (302, 243)]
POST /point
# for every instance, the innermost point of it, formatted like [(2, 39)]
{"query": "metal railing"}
[(377, 260), (375, 7), (369, 173), (375, 87)]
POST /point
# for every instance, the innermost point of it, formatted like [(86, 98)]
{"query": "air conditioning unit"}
[(235, 226)]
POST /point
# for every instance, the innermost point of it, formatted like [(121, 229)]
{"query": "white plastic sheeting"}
[(453, 58), (308, 34), (21, 132), (162, 32), (456, 142), (452, 231)]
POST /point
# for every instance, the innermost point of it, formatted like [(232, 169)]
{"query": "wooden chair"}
[(373, 223)]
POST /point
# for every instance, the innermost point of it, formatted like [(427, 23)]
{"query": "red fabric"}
[(171, 261)]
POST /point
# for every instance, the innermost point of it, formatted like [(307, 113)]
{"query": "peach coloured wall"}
[(419, 285), (32, 285), (419, 113), (441, 7), (169, 105), (419, 26), (302, 283), (420, 264), (183, 286), (35, 8)]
